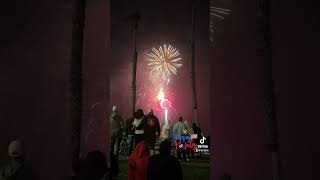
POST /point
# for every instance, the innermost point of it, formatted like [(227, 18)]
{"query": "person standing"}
[(189, 133), (152, 130), (138, 162), (130, 134), (138, 125), (116, 126), (178, 128), (197, 131), (179, 134)]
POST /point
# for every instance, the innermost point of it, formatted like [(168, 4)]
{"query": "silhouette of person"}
[(164, 166), (16, 169)]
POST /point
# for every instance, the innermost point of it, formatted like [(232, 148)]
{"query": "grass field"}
[(193, 170)]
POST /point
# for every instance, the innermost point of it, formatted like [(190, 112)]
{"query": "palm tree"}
[(134, 21), (264, 29), (193, 74), (78, 18)]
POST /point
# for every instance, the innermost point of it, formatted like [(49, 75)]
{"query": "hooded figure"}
[(16, 168), (138, 162), (116, 126), (152, 129)]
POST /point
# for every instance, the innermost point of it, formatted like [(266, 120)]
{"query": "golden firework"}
[(164, 61)]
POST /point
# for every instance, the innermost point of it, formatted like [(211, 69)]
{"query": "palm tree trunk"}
[(134, 20), (269, 98), (193, 75), (78, 18), (134, 71)]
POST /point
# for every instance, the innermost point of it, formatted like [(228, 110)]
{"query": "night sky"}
[(163, 22), (34, 64)]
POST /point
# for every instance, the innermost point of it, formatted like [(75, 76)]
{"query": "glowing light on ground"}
[(164, 61)]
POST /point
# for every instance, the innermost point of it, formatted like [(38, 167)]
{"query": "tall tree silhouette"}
[(134, 19), (265, 37), (193, 73), (78, 18)]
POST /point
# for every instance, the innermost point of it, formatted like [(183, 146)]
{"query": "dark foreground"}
[(193, 170)]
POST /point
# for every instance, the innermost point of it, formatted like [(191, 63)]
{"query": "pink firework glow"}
[(165, 103)]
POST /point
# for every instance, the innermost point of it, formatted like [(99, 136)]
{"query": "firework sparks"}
[(164, 61), (160, 95), (165, 103)]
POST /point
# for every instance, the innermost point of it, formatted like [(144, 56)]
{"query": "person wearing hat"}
[(116, 127), (138, 126), (152, 130), (16, 169)]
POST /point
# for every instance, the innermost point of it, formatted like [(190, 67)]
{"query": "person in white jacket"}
[(139, 125)]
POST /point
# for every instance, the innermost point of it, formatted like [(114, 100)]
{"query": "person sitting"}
[(138, 162), (164, 166), (16, 168)]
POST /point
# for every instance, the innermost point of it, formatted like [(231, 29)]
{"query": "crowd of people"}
[(140, 133), (93, 167)]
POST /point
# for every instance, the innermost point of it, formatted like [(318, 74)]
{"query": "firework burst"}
[(164, 61)]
